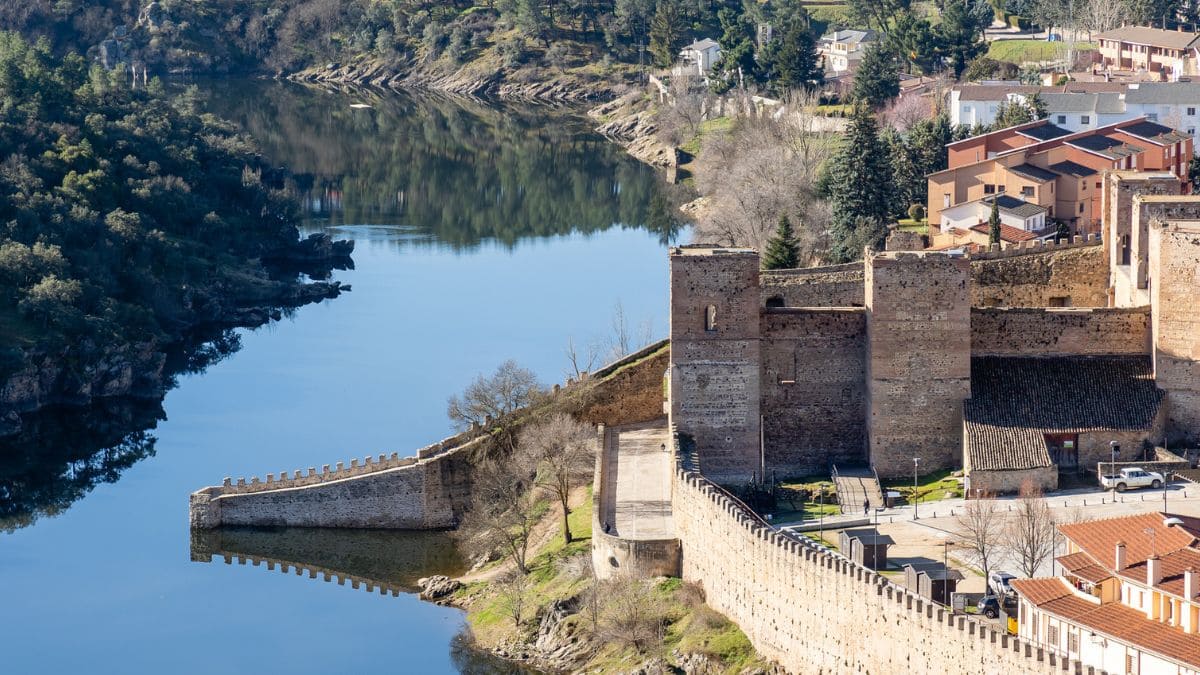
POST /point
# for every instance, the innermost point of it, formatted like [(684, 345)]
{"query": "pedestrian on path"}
[(866, 506)]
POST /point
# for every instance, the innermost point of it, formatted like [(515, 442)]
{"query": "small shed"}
[(938, 583), (866, 547)]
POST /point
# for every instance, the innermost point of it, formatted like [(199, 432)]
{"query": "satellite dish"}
[(1167, 522)]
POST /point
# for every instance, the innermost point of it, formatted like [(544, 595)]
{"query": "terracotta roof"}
[(1131, 626), (1015, 401), (1007, 232), (1098, 538), (1083, 566), (1172, 565), (1041, 591)]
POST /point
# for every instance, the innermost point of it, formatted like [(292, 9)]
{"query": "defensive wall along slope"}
[(813, 611), (431, 489)]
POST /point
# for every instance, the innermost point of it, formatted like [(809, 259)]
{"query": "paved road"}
[(637, 482)]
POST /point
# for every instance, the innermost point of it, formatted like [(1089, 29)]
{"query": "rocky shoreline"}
[(85, 372)]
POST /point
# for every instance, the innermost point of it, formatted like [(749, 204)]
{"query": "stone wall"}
[(432, 489), (1175, 296), (833, 286), (918, 360), (1057, 332), (1147, 209), (1010, 482), (816, 612), (813, 386), (715, 368), (1071, 276)]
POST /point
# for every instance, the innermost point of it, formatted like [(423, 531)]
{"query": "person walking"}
[(866, 506)]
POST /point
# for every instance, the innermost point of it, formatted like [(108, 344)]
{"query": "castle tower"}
[(1125, 204), (918, 360), (715, 358), (1175, 289)]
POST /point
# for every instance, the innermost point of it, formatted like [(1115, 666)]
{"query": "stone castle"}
[(1011, 365)]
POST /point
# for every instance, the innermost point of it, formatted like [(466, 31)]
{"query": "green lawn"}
[(1031, 51), (930, 488), (714, 126), (910, 225)]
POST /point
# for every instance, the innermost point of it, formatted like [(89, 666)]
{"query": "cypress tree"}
[(877, 80), (666, 33), (782, 251), (994, 223), (860, 188)]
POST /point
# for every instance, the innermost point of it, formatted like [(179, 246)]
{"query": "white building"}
[(1013, 213), (1084, 105), (698, 58), (1128, 600), (842, 50)]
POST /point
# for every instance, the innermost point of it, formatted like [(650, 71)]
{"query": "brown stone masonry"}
[(1059, 332)]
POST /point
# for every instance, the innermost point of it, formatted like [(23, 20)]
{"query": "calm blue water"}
[(104, 584)]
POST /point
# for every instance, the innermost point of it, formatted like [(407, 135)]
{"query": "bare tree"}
[(905, 111), (633, 613), (981, 531), (503, 508), (679, 117), (1030, 533), (513, 592), (580, 361), (1104, 15), (510, 388), (564, 452), (766, 166), (623, 339)]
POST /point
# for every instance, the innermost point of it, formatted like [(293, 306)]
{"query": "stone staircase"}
[(854, 485)]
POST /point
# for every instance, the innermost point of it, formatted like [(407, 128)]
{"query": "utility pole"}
[(1112, 466)]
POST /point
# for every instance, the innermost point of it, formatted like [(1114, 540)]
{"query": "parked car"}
[(998, 583), (1132, 477), (991, 605)]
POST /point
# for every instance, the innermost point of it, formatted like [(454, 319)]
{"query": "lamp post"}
[(946, 567), (875, 542), (916, 496), (1166, 479), (1112, 465)]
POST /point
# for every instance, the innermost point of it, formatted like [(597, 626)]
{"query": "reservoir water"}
[(483, 234)]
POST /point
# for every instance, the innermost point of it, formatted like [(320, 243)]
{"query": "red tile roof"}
[(1041, 591), (1007, 232), (1098, 538), (1172, 565), (1083, 566)]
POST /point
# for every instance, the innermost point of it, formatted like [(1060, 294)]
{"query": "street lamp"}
[(946, 544), (916, 497), (875, 542), (1112, 466), (1166, 479)]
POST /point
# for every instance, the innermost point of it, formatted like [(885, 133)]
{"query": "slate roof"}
[(1167, 93), (1152, 131), (1033, 172), (849, 36), (1069, 168), (1103, 145), (1155, 37), (702, 45), (993, 92), (1014, 206), (869, 536), (1015, 401), (1045, 132)]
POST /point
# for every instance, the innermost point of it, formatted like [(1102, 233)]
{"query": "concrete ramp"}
[(855, 485), (634, 532)]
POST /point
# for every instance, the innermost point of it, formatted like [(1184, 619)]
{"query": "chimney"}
[(1119, 558), (1190, 584), (1189, 595), (1153, 571)]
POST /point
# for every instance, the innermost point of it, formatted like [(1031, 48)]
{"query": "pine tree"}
[(666, 33), (791, 56), (860, 188), (877, 80), (961, 33), (994, 222), (782, 251)]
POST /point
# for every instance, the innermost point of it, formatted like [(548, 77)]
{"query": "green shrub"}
[(916, 212)]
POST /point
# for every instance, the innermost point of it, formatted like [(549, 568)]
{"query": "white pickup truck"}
[(1132, 477)]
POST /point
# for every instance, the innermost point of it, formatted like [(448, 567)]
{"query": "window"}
[(1027, 191), (1083, 185), (945, 201), (1191, 131), (1191, 112), (989, 189), (1081, 207), (1153, 117), (1085, 119), (1052, 636), (1062, 119), (710, 318), (1072, 642), (1097, 185), (774, 301), (1130, 664)]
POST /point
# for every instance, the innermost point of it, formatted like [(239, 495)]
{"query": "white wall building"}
[(698, 58), (843, 49), (1013, 212), (1075, 108)]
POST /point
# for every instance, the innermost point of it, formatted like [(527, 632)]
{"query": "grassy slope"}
[(1031, 51), (691, 626)]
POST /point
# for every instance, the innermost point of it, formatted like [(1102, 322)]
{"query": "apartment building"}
[(1170, 53), (1127, 599), (1045, 165)]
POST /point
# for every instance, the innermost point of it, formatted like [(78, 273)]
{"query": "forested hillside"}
[(126, 218)]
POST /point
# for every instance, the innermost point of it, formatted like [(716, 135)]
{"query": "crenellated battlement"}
[(312, 571), (813, 610), (1037, 246)]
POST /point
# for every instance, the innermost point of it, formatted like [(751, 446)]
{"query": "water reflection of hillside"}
[(383, 561), (458, 171)]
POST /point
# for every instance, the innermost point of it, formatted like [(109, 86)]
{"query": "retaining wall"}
[(816, 612)]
